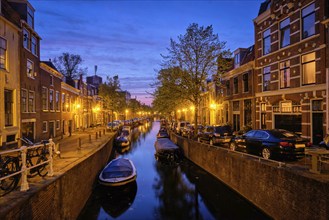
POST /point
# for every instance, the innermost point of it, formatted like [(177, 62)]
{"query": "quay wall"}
[(281, 192), (63, 196)]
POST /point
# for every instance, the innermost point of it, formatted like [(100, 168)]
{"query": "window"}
[(266, 78), (237, 60), (51, 99), (63, 102), (30, 16), (9, 116), (58, 125), (308, 21), (57, 101), (26, 39), (308, 68), (263, 116), (236, 85), (67, 105), (51, 80), (44, 126), (285, 32), (3, 50), (44, 98), (228, 87), (285, 74), (236, 106), (245, 82), (34, 48), (24, 100), (247, 112), (267, 41), (31, 101), (29, 68)]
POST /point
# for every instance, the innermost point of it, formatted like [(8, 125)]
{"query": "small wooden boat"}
[(122, 141), (118, 172)]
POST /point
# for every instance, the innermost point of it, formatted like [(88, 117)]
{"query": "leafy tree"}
[(190, 61), (110, 91), (70, 66)]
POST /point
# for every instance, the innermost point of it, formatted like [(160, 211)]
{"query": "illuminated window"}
[(285, 32), (308, 21), (44, 126), (267, 41), (285, 74), (29, 69), (3, 50), (308, 68), (266, 78)]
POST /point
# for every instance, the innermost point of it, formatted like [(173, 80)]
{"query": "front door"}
[(51, 129), (317, 128)]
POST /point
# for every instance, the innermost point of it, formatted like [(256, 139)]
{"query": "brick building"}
[(50, 114), (290, 67), (238, 90), (29, 70), (10, 33)]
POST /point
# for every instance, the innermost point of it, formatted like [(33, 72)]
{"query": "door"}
[(51, 129), (317, 128)]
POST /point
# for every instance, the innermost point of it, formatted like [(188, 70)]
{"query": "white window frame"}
[(45, 123), (26, 39), (46, 100), (3, 53)]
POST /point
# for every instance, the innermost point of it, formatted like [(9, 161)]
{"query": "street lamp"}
[(213, 107), (126, 114)]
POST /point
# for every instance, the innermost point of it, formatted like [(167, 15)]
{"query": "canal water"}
[(163, 191)]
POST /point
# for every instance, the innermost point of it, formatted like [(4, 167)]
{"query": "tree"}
[(190, 61), (70, 66), (110, 92)]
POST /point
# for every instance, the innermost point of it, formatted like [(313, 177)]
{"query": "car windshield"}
[(283, 134)]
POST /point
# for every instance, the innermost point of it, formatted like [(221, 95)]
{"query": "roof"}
[(249, 55), (50, 64), (264, 6)]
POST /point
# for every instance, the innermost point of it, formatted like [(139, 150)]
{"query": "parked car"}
[(271, 143), (180, 126), (112, 126), (216, 134)]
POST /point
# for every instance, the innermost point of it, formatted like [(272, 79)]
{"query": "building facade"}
[(50, 114), (10, 33), (290, 67), (238, 91)]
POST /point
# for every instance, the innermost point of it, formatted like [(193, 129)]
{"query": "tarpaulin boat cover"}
[(165, 144), (118, 168)]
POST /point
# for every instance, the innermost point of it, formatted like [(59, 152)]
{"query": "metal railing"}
[(24, 168)]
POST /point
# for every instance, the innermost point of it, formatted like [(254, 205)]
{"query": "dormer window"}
[(236, 60), (30, 17)]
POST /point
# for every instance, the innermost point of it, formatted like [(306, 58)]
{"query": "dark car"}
[(216, 134), (271, 143)]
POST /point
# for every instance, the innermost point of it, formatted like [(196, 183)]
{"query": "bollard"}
[(50, 148), (79, 144), (100, 133), (24, 184), (104, 131), (89, 138), (96, 135)]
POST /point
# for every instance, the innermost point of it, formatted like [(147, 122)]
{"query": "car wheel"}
[(211, 142), (266, 153), (232, 146)]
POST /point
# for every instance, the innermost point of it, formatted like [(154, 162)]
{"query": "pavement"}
[(73, 148)]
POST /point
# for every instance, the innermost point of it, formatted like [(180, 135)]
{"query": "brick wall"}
[(282, 193)]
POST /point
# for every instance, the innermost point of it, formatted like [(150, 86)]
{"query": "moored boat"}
[(166, 150), (118, 172)]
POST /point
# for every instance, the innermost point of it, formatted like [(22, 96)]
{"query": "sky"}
[(127, 38)]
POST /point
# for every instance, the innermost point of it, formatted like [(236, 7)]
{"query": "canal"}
[(163, 191)]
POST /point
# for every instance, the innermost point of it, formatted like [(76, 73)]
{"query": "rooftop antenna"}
[(95, 69)]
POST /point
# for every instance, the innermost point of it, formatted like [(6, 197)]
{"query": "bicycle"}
[(7, 167), (12, 164)]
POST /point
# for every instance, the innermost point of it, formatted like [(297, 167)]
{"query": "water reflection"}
[(166, 191)]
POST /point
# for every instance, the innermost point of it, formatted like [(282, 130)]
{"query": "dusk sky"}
[(126, 38)]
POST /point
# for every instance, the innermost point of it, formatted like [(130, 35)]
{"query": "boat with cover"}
[(165, 149), (118, 172)]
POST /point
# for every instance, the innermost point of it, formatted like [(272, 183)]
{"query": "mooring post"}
[(79, 144), (89, 138), (96, 135)]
